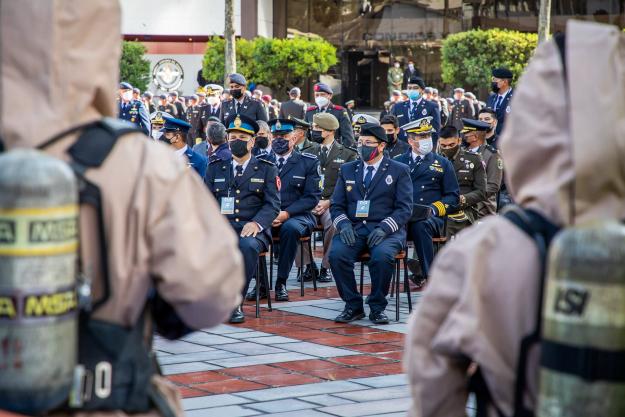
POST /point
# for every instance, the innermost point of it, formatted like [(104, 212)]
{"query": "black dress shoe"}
[(309, 273), (378, 317), (281, 293), (349, 315), (251, 296), (419, 281), (324, 276), (237, 315)]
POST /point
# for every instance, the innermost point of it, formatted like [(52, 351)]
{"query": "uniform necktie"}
[(238, 106), (413, 113), (368, 176), (239, 170), (498, 102), (280, 163), (324, 155), (414, 162)]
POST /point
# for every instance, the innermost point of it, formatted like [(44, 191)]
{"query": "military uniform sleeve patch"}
[(499, 163)]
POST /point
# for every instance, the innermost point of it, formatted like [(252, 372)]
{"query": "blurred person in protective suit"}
[(484, 292), (158, 216)]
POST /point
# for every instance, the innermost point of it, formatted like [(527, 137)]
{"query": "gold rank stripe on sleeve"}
[(44, 231), (440, 207)]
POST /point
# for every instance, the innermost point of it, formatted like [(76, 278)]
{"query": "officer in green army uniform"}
[(301, 129), (471, 176), (475, 138), (332, 155), (394, 78)]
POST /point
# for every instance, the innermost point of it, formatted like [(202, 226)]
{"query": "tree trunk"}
[(544, 20), (230, 49)]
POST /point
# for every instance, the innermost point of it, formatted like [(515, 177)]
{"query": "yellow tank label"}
[(51, 304), (38, 231)]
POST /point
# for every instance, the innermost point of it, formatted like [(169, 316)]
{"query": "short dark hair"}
[(489, 111), (389, 119), (216, 133), (448, 132)]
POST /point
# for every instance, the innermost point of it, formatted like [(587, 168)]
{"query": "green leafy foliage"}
[(468, 57), (276, 63), (133, 66)]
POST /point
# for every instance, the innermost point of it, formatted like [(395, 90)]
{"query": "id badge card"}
[(227, 205), (362, 208)]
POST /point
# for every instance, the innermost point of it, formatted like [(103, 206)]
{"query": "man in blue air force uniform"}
[(299, 195), (174, 133), (246, 189), (371, 204), (435, 189), (417, 107)]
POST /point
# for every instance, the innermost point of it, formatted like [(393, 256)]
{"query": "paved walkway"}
[(293, 361)]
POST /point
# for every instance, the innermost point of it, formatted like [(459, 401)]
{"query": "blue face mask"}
[(280, 145), (414, 95)]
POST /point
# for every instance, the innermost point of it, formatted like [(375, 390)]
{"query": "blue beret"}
[(238, 79), (504, 73), (241, 123), (281, 125), (175, 125), (324, 88), (125, 86)]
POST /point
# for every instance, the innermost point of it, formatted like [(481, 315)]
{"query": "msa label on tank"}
[(39, 305), (38, 231)]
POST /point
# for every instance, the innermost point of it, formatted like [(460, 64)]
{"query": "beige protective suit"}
[(59, 68), (482, 297)]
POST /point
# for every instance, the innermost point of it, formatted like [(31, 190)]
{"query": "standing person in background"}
[(194, 118), (294, 107), (147, 102), (241, 103), (417, 108), (136, 94), (166, 106), (462, 109), (386, 110), (411, 72), (323, 103), (132, 110), (179, 104), (499, 100), (394, 78), (475, 103), (349, 106)]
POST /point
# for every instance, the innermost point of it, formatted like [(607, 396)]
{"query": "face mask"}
[(280, 146), (425, 146), (156, 134), (238, 148), (367, 153), (237, 93), (321, 101), (449, 152), (414, 95), (391, 137), (411, 66), (261, 142), (494, 86), (397, 65), (162, 138), (212, 100), (316, 137), (127, 95)]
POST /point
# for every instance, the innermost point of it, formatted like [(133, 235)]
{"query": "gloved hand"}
[(375, 237), (347, 235)]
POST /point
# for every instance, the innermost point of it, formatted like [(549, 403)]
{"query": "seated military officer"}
[(396, 147), (175, 134), (471, 179), (157, 120), (370, 207), (434, 185), (299, 195), (247, 191)]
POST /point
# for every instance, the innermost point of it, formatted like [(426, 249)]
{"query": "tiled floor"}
[(292, 361)]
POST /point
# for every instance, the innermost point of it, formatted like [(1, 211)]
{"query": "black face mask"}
[(237, 93), (261, 142), (280, 145), (494, 86), (450, 152), (367, 153), (316, 137), (238, 148), (391, 137)]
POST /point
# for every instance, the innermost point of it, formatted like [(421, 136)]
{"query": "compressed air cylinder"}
[(38, 246), (583, 349)]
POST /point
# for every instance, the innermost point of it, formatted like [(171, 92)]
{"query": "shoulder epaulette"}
[(351, 148), (214, 161), (261, 159), (309, 155), (337, 107), (491, 148), (311, 108)]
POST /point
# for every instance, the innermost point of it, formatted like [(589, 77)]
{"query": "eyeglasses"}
[(368, 143)]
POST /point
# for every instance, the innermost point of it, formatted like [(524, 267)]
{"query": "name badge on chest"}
[(322, 181), (227, 205), (362, 208)]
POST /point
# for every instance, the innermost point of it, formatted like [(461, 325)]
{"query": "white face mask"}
[(397, 65), (321, 101), (212, 100), (127, 95), (425, 146), (156, 134)]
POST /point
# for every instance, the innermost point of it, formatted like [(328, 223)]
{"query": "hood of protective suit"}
[(564, 146), (59, 66)]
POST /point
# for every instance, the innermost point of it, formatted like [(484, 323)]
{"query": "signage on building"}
[(167, 75)]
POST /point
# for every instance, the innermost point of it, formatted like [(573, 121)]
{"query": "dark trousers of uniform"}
[(421, 233), (250, 248), (290, 232), (381, 266)]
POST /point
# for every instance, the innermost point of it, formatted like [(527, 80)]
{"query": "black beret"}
[(504, 73), (377, 131), (416, 80)]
